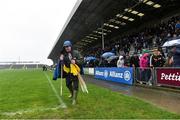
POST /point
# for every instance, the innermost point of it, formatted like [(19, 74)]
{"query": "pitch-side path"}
[(164, 99)]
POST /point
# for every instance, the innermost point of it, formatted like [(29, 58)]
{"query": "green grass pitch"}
[(28, 94)]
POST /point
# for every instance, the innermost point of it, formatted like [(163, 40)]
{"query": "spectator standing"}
[(176, 56), (145, 71), (120, 62), (134, 61), (156, 60), (169, 60), (127, 60)]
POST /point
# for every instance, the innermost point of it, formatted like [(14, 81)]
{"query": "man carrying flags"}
[(70, 61)]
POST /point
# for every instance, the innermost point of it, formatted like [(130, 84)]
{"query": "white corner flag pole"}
[(61, 88)]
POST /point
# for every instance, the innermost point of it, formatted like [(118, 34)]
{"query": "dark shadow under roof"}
[(89, 15)]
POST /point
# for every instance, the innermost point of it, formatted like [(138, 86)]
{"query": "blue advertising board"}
[(121, 75)]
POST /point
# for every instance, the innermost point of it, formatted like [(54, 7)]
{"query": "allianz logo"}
[(99, 73), (126, 75), (116, 74), (104, 73)]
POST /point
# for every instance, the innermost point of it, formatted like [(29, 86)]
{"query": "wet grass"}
[(29, 92)]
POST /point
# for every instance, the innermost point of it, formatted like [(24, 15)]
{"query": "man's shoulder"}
[(76, 52), (154, 56)]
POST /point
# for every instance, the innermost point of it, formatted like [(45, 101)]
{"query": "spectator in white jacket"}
[(120, 62)]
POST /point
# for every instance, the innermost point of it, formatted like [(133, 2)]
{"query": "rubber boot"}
[(75, 92), (71, 93)]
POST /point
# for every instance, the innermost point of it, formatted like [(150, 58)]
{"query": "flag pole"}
[(61, 87)]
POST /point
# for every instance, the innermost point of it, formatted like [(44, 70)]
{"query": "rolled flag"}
[(82, 88), (82, 84), (178, 25), (57, 71), (76, 71)]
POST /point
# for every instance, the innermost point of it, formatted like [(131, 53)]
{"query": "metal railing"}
[(160, 76), (144, 76)]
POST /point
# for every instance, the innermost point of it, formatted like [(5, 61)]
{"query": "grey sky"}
[(29, 28)]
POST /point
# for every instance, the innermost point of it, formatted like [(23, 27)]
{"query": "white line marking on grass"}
[(63, 105), (28, 111)]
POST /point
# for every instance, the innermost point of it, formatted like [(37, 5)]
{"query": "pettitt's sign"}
[(168, 76)]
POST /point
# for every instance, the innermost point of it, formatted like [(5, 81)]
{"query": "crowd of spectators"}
[(138, 44)]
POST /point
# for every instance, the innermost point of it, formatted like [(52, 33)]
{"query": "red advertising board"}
[(168, 76)]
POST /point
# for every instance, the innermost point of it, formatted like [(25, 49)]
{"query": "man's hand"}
[(61, 57), (73, 61), (151, 66)]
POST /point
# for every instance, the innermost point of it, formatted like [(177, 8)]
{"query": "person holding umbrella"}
[(174, 46), (176, 55)]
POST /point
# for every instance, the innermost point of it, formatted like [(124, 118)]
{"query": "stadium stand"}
[(133, 30), (31, 66), (148, 38), (20, 65), (17, 67), (124, 26), (5, 66)]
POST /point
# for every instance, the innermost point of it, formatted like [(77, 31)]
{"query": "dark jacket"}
[(127, 61), (157, 61), (134, 61), (75, 55)]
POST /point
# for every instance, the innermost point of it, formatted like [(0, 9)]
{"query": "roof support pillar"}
[(102, 39)]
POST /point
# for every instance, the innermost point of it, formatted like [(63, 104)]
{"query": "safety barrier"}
[(144, 75), (167, 77), (150, 76), (160, 76)]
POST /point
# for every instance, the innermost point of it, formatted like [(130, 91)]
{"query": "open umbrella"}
[(107, 55), (112, 58), (90, 58), (171, 43)]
